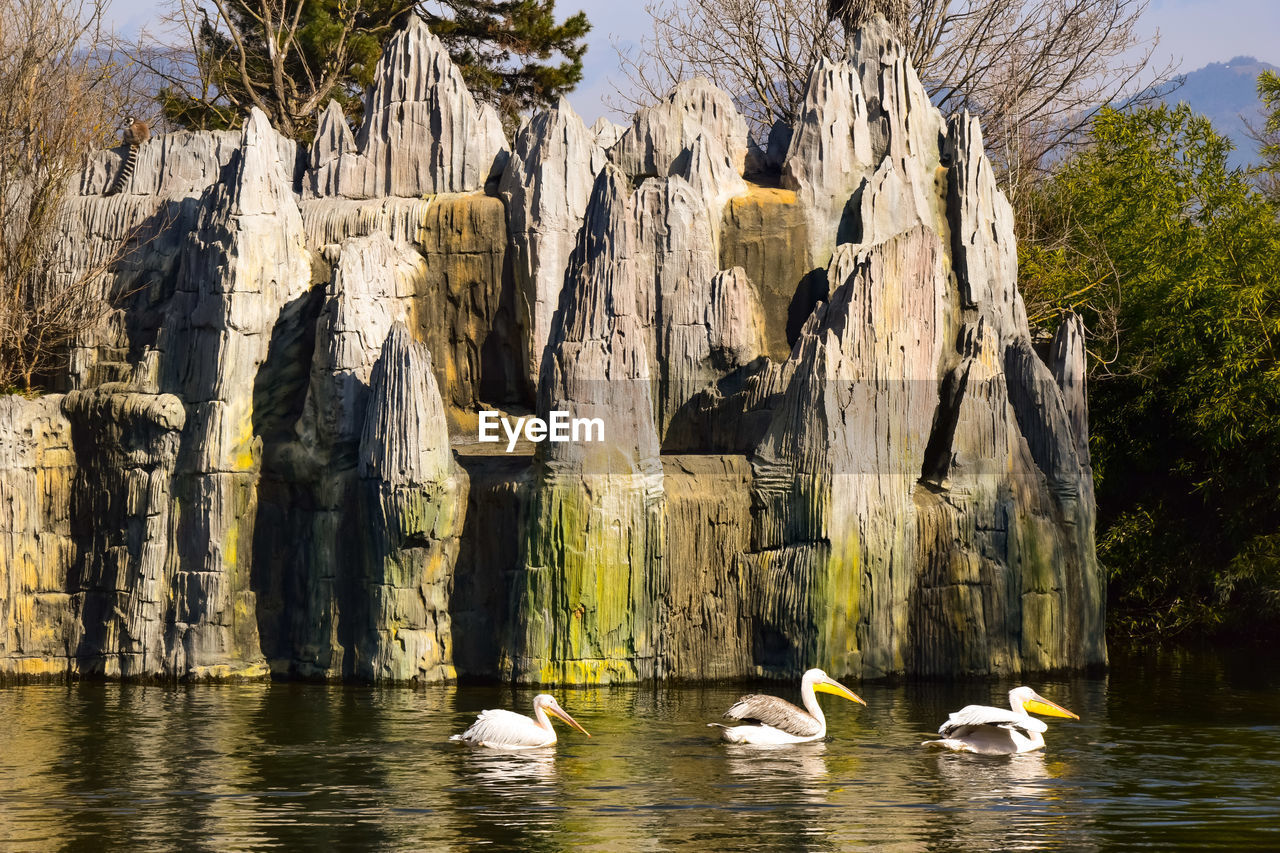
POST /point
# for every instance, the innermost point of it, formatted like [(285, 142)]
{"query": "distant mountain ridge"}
[(1227, 92)]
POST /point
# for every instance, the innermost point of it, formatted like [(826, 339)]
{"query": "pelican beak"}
[(830, 685), (1045, 708), (557, 711)]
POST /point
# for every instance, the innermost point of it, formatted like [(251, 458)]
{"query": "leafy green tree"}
[(1268, 136), (290, 57), (1171, 257)]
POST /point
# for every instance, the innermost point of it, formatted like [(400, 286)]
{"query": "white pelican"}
[(770, 720), (502, 729), (996, 731)]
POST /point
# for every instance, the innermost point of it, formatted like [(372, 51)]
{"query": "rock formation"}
[(827, 438), (413, 499)]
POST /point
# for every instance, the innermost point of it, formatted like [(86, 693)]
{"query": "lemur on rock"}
[(136, 132)]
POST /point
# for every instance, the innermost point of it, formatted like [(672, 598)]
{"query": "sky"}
[(1193, 33)]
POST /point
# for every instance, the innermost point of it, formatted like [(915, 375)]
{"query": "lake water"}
[(1174, 750)]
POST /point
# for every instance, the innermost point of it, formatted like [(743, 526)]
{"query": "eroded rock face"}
[(546, 187), (127, 444), (413, 498), (247, 262), (586, 606), (37, 550), (660, 134), (423, 132), (827, 438)]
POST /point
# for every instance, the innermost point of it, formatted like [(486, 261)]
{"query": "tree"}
[(853, 14), (218, 58), (61, 96), (1035, 71), (1268, 136), (1153, 239)]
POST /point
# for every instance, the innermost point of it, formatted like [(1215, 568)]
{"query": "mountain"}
[(1227, 92)]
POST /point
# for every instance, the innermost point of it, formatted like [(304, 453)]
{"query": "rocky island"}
[(830, 441)]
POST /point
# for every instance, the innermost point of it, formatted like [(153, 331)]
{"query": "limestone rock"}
[(985, 259), (830, 153), (413, 495), (461, 300), (606, 134), (777, 146), (423, 132), (826, 435), (366, 296), (734, 320), (246, 263), (902, 121), (765, 232), (37, 551), (333, 142), (546, 187), (122, 587), (1068, 361), (660, 134), (707, 169), (586, 606), (836, 471)]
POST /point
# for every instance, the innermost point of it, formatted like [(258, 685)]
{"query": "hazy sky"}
[(1193, 33)]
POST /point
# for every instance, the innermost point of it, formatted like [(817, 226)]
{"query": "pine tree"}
[(289, 60), (502, 47)]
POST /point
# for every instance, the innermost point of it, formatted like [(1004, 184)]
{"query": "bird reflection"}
[(794, 774), (792, 781), (502, 772), (997, 778), (1009, 801), (509, 798)]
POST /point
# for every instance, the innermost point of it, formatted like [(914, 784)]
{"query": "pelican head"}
[(548, 703), (1026, 700), (823, 683)]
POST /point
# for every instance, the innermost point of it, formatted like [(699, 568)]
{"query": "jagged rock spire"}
[(423, 132)]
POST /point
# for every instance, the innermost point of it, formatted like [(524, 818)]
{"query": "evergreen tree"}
[(502, 49), (289, 59)]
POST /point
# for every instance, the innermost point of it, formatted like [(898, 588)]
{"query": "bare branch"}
[(1035, 70)]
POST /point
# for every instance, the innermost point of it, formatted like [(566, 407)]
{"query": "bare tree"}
[(1035, 70), (60, 97), (211, 60)]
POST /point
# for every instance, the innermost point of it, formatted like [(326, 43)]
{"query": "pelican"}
[(770, 720), (501, 729), (995, 731)]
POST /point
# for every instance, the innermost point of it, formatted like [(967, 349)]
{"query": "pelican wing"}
[(971, 717), (772, 711), (499, 727)]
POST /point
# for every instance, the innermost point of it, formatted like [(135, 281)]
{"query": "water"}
[(1173, 751)]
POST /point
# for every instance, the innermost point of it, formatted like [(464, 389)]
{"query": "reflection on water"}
[(1173, 751)]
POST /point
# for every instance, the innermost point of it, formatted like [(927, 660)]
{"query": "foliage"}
[(290, 57), (61, 95), (501, 48), (1268, 136), (1171, 257)]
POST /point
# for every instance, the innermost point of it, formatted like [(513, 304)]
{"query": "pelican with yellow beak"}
[(768, 720), (995, 731), (501, 729)]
